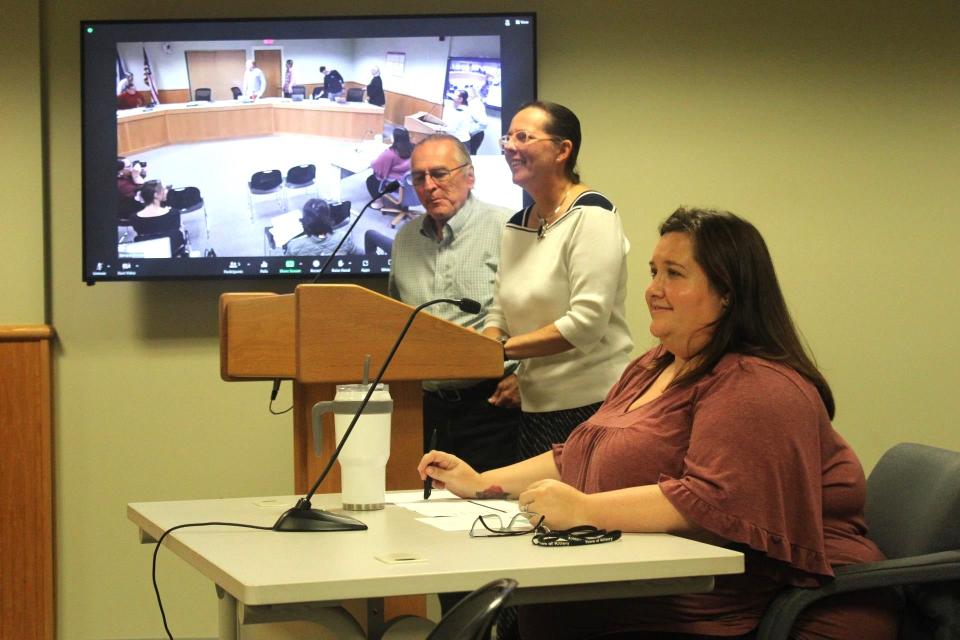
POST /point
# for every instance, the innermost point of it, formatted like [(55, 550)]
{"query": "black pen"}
[(428, 483)]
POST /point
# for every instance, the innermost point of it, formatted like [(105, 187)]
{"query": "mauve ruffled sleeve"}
[(752, 472)]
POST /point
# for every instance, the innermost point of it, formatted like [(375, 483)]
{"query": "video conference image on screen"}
[(252, 157)]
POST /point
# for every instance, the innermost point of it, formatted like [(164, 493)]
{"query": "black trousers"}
[(471, 428)]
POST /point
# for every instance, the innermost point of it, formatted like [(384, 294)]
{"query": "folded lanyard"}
[(575, 537)]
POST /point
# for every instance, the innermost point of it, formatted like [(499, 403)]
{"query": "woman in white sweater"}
[(558, 305)]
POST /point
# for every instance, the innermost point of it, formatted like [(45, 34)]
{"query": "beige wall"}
[(833, 129), (22, 253)]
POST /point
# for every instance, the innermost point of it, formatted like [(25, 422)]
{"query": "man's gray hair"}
[(463, 155)]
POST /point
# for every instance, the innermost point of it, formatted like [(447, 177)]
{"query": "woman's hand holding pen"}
[(450, 472)]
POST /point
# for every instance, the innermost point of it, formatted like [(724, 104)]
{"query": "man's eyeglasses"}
[(419, 178), (491, 526), (522, 138)]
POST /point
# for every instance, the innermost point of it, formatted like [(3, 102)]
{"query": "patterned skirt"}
[(540, 431)]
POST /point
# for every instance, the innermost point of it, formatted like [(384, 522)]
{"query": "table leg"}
[(228, 621)]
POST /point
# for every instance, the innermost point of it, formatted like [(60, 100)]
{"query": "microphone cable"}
[(156, 550)]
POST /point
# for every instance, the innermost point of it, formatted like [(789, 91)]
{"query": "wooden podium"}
[(318, 337)]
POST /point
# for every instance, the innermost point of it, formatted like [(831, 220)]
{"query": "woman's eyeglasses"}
[(522, 138), (491, 526), (419, 178)]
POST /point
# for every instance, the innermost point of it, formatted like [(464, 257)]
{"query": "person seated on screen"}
[(375, 93), (720, 433), (125, 81), (254, 83), (392, 164), (332, 83), (319, 238), (129, 98), (376, 243), (156, 220), (130, 177)]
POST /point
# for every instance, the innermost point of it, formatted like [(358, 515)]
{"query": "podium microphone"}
[(391, 186), (302, 517)]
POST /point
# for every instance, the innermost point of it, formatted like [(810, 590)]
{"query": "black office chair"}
[(165, 226), (355, 94), (340, 212), (298, 90), (301, 177), (472, 617), (203, 93), (316, 93), (913, 515), (263, 183), (188, 200), (236, 92)]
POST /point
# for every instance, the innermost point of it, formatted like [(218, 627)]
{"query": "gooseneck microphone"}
[(302, 517), (388, 187)]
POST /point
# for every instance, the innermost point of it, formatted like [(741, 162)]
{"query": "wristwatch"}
[(503, 344)]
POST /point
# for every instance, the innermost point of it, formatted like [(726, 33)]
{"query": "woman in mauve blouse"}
[(721, 433)]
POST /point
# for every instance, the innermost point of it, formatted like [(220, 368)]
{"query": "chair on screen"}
[(298, 90), (264, 183), (165, 226), (400, 201), (203, 93), (340, 212), (236, 92), (355, 94), (188, 200), (302, 176)]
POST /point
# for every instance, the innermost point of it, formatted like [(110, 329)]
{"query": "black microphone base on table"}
[(304, 518)]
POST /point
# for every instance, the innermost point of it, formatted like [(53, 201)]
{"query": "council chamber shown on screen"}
[(243, 148)]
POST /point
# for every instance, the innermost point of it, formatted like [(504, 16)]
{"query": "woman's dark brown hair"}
[(563, 124), (755, 320), (401, 143)]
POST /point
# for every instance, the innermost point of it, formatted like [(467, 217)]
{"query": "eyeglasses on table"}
[(492, 526)]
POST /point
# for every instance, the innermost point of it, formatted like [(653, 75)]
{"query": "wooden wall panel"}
[(399, 106), (26, 485), (168, 96)]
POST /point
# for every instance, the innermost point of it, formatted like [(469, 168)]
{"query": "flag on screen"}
[(148, 77), (121, 74)]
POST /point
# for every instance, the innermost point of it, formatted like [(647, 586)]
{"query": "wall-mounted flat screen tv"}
[(243, 148)]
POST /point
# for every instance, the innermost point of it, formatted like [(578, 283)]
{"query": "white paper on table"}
[(450, 508), (403, 497), (454, 523)]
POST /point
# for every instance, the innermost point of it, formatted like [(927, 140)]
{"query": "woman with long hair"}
[(720, 433), (392, 164)]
